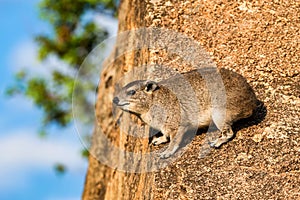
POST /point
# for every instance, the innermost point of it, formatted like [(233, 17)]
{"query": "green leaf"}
[(60, 168), (85, 153)]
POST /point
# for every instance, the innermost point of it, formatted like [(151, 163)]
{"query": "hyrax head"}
[(136, 97)]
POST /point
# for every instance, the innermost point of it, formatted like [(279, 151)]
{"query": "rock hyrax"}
[(189, 101)]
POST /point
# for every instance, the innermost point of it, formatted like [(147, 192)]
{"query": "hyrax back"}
[(189, 101)]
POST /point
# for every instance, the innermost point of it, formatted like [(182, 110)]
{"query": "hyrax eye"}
[(131, 92)]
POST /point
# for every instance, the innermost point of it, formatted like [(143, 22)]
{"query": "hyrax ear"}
[(151, 86)]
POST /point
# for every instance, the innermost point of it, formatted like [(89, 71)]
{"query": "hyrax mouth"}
[(124, 104)]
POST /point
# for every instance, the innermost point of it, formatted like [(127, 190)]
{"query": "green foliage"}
[(73, 37), (60, 168), (85, 153)]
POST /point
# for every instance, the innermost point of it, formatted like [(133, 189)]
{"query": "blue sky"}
[(26, 161)]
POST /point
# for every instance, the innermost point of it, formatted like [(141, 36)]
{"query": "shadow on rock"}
[(258, 116)]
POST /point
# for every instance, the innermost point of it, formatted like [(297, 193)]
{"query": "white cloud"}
[(108, 22), (17, 105), (22, 152), (25, 56)]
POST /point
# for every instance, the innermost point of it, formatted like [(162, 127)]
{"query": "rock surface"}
[(258, 39)]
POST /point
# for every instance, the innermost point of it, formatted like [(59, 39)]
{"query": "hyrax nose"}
[(116, 100)]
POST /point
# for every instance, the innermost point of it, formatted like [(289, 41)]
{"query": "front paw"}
[(165, 155), (169, 151), (159, 140)]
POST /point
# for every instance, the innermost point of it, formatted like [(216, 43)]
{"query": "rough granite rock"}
[(258, 39)]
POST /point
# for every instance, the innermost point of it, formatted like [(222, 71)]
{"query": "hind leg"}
[(223, 136), (225, 132)]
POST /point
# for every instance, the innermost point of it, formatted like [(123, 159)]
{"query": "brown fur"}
[(189, 101)]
